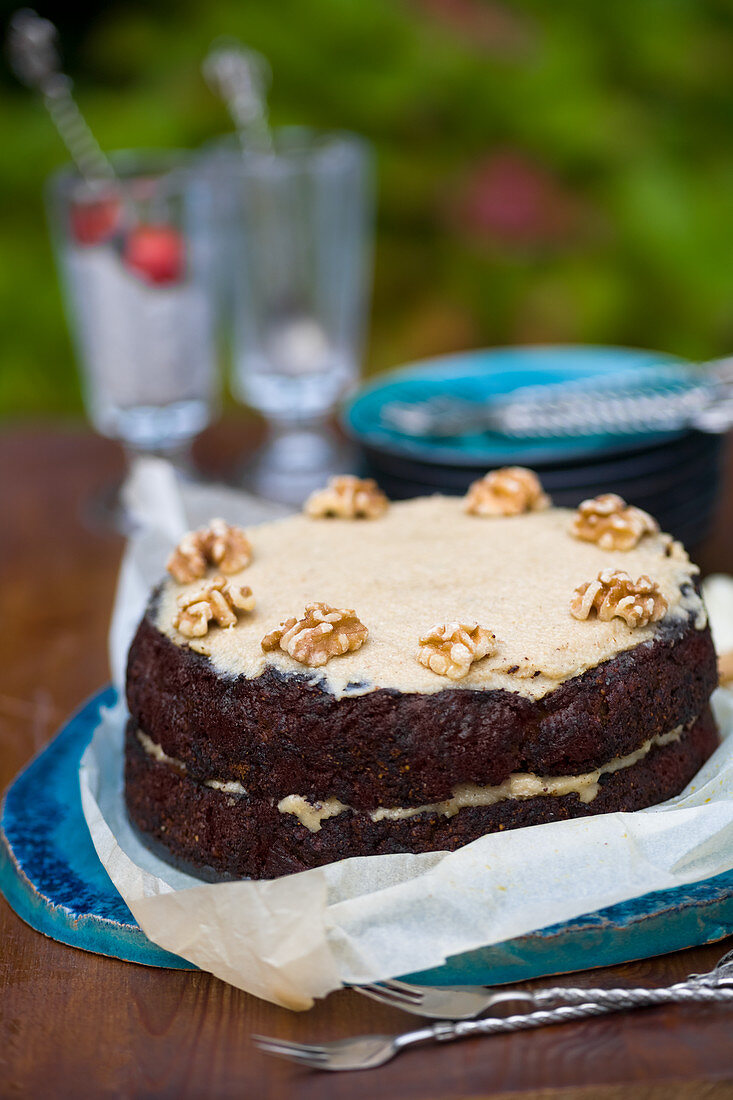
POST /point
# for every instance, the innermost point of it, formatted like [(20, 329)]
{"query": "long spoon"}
[(241, 77), (34, 58)]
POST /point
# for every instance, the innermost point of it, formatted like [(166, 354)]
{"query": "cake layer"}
[(426, 562), (221, 833), (279, 735)]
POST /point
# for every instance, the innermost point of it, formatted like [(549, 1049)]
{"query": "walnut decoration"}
[(218, 599), (614, 594), (506, 492), (323, 632), (347, 497), (451, 649), (219, 544), (611, 522)]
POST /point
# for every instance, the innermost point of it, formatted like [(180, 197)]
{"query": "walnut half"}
[(615, 595), (220, 544), (218, 600), (506, 492), (347, 497), (450, 649), (323, 632), (612, 523)]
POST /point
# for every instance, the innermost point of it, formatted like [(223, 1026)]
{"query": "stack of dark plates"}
[(673, 475)]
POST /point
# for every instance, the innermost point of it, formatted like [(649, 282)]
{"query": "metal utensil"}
[(442, 1003), (368, 1051), (34, 58), (576, 408), (468, 1002), (241, 77)]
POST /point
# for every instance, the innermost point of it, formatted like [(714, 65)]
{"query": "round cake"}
[(370, 678)]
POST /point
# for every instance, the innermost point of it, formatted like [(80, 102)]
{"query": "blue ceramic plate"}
[(50, 875), (49, 870), (479, 376)]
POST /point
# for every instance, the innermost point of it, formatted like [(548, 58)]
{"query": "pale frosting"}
[(157, 752), (518, 785), (152, 748), (228, 786), (311, 814), (426, 562)]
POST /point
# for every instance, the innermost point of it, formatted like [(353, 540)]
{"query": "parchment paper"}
[(298, 937)]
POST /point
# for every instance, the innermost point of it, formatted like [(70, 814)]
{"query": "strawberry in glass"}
[(156, 252)]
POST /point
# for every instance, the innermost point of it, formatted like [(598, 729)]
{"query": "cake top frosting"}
[(425, 562)]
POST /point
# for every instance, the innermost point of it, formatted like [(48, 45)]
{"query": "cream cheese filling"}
[(519, 785), (311, 814), (152, 748)]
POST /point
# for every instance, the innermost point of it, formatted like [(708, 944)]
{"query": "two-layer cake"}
[(372, 678)]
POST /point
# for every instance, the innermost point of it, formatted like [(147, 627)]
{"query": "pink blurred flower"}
[(509, 199), (482, 23)]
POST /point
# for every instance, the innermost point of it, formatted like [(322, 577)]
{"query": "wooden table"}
[(75, 1024)]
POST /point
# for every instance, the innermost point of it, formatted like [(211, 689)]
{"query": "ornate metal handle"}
[(615, 1001)]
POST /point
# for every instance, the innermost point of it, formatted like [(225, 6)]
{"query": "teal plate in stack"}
[(673, 475), (52, 878)]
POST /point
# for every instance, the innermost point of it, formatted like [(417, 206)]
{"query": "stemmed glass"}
[(301, 266), (135, 255)]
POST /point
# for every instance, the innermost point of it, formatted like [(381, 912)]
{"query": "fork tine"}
[(299, 1059), (386, 996), (381, 998), (286, 1044), (294, 1054), (398, 988), (402, 989)]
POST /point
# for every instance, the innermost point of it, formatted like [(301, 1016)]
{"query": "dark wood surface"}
[(76, 1024)]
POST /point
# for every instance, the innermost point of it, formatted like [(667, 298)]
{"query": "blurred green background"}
[(547, 172)]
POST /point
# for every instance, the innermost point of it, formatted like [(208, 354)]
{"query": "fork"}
[(447, 1002), (567, 408), (468, 1002), (369, 1051)]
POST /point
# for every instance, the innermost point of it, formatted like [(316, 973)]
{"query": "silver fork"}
[(447, 1002), (468, 1002), (369, 1051)]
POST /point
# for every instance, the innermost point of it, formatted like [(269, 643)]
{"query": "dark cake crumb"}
[(281, 734), (193, 826)]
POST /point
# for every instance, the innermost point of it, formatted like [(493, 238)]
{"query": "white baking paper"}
[(296, 938)]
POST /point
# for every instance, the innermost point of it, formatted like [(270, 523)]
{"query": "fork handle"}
[(573, 996), (634, 998)]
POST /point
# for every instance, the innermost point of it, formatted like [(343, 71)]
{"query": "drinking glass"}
[(135, 256), (301, 267)]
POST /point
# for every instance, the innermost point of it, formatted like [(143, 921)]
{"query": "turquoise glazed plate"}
[(49, 870), (480, 377), (52, 878)]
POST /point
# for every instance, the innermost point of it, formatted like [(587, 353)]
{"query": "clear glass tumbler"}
[(136, 257), (301, 278)]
